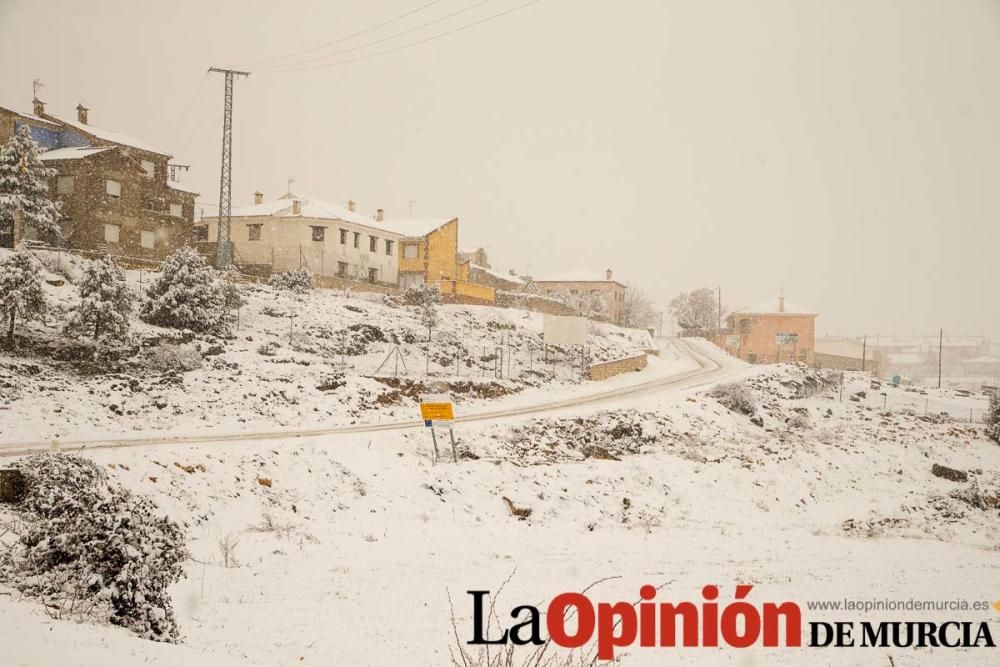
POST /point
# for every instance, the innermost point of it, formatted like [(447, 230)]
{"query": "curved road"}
[(709, 370)]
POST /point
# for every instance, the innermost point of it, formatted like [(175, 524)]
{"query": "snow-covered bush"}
[(91, 548), (299, 281), (735, 396), (167, 357), (21, 291), (105, 302), (421, 295), (187, 295), (992, 417)]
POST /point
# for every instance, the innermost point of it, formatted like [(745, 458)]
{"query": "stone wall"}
[(612, 368)]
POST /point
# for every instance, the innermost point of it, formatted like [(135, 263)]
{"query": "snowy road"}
[(712, 367)]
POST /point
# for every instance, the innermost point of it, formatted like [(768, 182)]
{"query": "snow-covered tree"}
[(429, 317), (105, 302), (187, 295), (24, 185), (21, 291), (696, 312), (298, 281), (637, 311), (992, 418)]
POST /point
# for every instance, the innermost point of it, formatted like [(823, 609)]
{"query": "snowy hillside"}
[(320, 358), (347, 547)]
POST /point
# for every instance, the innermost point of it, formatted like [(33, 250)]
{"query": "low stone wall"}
[(533, 302), (333, 282), (612, 368), (462, 291)]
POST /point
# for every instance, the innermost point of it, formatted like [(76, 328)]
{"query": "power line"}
[(378, 41), (412, 44), (197, 127), (170, 142), (345, 37)]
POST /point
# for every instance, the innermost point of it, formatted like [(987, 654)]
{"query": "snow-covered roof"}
[(413, 228), (74, 153), (498, 274), (774, 307), (113, 137), (577, 276), (31, 117), (174, 186)]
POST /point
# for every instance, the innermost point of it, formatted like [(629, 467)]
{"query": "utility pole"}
[(718, 330), (224, 252), (864, 353), (173, 170), (940, 357)]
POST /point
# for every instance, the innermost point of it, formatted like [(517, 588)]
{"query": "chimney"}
[(258, 198), (38, 107), (781, 304), (81, 113), (350, 205), (296, 207), (608, 274), (379, 215)]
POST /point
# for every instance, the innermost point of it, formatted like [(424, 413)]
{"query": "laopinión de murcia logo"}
[(572, 620)]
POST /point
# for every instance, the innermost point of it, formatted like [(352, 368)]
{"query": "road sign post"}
[(437, 411)]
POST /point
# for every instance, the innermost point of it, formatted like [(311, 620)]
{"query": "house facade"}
[(771, 332), (591, 294), (296, 232), (114, 191), (428, 251)]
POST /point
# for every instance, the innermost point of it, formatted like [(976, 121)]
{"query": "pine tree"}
[(187, 295), (24, 185), (105, 302), (993, 417), (21, 291)]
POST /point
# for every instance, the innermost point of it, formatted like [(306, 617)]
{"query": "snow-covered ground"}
[(828, 498), (321, 359)]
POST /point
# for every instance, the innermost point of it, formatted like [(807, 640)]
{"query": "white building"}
[(296, 232)]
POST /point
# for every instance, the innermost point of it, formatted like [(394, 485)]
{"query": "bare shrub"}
[(168, 357), (227, 549), (735, 396)]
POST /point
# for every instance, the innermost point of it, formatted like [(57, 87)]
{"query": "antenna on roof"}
[(412, 202), (36, 85), (290, 181)]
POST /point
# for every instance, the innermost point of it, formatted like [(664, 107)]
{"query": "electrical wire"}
[(345, 37), (446, 33), (173, 135)]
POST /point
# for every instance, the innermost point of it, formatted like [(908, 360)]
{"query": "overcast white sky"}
[(846, 151)]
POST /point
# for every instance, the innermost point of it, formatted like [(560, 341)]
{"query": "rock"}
[(949, 473), (264, 481), (757, 420), (598, 452)]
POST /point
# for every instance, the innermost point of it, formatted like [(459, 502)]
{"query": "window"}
[(342, 269), (149, 168), (201, 233), (318, 233), (177, 210), (64, 185), (357, 239), (372, 244), (147, 239), (343, 237), (372, 275), (113, 188), (744, 326), (112, 233), (410, 250), (388, 247), (253, 232)]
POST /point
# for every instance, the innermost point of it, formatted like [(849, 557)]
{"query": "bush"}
[(187, 295), (299, 281), (992, 417), (422, 295), (105, 302), (92, 549), (735, 396), (168, 358)]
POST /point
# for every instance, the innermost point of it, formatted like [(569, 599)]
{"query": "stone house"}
[(591, 294), (770, 332), (296, 232), (114, 191)]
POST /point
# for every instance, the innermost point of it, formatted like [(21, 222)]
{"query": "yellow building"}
[(428, 255)]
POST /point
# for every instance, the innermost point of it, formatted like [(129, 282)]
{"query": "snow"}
[(75, 153), (112, 136), (370, 538), (773, 307), (498, 274), (576, 276), (413, 228)]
